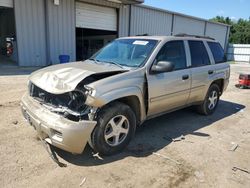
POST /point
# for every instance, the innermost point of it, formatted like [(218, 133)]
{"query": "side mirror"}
[(162, 66)]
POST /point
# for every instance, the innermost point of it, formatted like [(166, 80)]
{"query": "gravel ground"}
[(202, 159)]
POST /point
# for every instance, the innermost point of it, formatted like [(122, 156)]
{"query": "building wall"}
[(239, 52), (60, 30), (187, 25), (45, 30), (154, 21), (30, 31), (219, 32), (149, 21), (124, 21)]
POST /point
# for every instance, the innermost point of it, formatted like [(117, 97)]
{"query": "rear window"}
[(217, 51), (199, 55)]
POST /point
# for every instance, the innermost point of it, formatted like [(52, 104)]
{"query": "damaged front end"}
[(62, 120), (70, 105), (56, 103)]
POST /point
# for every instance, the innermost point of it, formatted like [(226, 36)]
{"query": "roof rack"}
[(195, 36), (145, 34)]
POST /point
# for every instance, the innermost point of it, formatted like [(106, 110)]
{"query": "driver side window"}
[(174, 52)]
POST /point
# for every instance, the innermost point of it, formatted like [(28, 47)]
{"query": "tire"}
[(211, 100), (116, 125)]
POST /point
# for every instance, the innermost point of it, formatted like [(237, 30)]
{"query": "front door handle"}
[(210, 72), (185, 77)]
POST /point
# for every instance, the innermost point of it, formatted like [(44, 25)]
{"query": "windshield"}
[(126, 52)]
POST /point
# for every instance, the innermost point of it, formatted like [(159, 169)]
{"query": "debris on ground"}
[(241, 111), (234, 147), (15, 122), (245, 132), (83, 181), (98, 156), (200, 176), (165, 157), (241, 169), (239, 86), (189, 141), (52, 153), (179, 138)]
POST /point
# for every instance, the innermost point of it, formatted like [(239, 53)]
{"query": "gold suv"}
[(102, 100)]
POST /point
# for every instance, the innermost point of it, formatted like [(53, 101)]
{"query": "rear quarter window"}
[(218, 52), (199, 55)]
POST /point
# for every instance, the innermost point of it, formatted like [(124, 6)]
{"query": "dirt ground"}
[(202, 159)]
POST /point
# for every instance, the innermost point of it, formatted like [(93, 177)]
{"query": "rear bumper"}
[(60, 132)]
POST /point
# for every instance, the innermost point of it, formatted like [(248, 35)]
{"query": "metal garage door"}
[(6, 3), (96, 17)]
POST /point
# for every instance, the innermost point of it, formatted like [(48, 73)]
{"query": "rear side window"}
[(174, 52), (199, 55), (217, 51)]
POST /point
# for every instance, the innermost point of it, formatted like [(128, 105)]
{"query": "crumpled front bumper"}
[(68, 135)]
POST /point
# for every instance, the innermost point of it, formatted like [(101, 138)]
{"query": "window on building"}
[(199, 55), (217, 51), (173, 51)]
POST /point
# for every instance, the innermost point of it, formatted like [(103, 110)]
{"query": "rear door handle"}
[(210, 72), (185, 77)]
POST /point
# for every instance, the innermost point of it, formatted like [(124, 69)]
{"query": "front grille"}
[(69, 104), (48, 98)]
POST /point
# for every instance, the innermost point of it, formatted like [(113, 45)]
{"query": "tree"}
[(239, 31)]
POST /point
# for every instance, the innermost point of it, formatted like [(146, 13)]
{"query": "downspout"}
[(47, 44), (14, 7), (226, 39), (205, 28), (172, 24), (129, 20)]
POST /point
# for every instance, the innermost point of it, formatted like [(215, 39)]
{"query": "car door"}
[(169, 90), (201, 70)]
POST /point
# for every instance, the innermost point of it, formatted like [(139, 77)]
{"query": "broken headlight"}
[(89, 90)]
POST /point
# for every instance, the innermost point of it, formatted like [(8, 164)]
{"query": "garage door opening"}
[(89, 41), (95, 27), (8, 45)]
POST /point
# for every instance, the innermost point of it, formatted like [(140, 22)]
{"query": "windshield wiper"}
[(95, 60), (114, 63), (111, 62)]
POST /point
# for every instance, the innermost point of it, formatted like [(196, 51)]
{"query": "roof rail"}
[(195, 36), (145, 34)]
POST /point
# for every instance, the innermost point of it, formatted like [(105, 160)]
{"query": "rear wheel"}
[(210, 103), (116, 125)]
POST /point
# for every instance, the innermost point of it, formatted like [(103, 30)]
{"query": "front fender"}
[(105, 98)]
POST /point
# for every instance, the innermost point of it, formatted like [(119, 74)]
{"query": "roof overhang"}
[(126, 2)]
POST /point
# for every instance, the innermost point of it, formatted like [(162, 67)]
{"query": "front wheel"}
[(211, 101), (116, 124)]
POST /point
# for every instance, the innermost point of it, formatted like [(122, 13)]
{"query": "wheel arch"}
[(134, 103), (131, 96), (220, 83)]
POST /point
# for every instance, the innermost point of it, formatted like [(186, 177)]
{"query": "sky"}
[(207, 9)]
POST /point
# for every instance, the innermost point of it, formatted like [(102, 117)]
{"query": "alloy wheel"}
[(116, 130), (212, 100)]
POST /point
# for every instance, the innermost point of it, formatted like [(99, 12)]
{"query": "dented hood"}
[(58, 79)]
